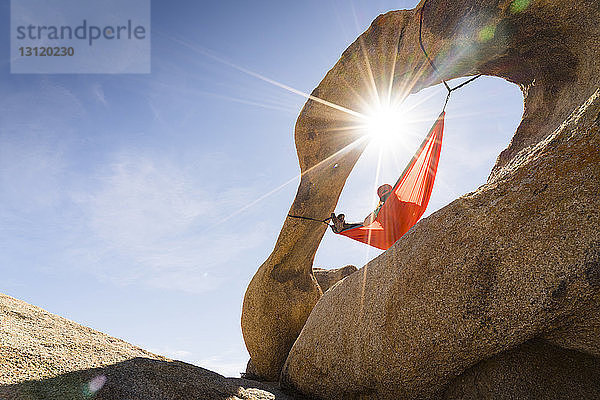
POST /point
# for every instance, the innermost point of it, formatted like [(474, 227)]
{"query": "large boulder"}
[(515, 260), (46, 357)]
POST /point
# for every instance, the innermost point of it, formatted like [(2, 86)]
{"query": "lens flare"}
[(97, 383)]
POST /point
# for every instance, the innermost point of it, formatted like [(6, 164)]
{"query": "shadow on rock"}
[(534, 370), (143, 378)]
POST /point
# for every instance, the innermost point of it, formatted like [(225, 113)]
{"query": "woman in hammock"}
[(339, 223)]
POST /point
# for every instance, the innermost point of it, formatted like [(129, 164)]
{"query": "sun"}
[(385, 125)]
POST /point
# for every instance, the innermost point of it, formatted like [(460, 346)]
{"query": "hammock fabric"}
[(409, 197)]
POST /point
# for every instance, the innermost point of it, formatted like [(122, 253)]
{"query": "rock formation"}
[(534, 370), (46, 357), (326, 278), (276, 337), (516, 260)]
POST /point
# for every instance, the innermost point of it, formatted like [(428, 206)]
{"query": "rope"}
[(448, 88), (465, 82), (310, 219), (423, 47)]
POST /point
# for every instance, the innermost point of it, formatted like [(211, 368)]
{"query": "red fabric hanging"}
[(409, 198)]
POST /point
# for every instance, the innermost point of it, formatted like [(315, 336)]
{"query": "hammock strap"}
[(448, 88), (310, 219)]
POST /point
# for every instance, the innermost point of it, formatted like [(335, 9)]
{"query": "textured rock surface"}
[(534, 370), (43, 356), (517, 259), (326, 278), (276, 306)]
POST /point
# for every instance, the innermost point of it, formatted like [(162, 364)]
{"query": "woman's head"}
[(384, 191)]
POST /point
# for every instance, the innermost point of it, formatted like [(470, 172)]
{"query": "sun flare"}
[(385, 125)]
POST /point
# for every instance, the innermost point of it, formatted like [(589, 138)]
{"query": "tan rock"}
[(474, 278), (326, 278), (283, 292), (533, 370), (516, 260), (276, 305), (46, 357)]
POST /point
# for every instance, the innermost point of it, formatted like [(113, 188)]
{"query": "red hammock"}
[(409, 197)]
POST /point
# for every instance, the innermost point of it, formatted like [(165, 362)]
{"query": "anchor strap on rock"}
[(310, 219), (448, 88)]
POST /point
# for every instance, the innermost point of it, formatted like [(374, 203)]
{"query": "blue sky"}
[(123, 198)]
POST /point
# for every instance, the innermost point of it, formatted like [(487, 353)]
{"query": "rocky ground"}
[(44, 356)]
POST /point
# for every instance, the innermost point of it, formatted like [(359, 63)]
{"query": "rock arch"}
[(507, 265)]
